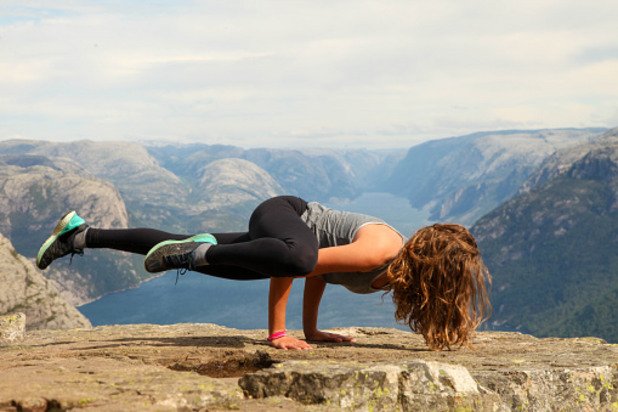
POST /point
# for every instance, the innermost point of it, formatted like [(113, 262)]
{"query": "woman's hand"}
[(320, 336), (289, 342)]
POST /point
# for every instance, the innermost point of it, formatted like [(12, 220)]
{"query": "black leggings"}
[(278, 243)]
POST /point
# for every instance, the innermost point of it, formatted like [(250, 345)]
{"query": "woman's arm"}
[(277, 303), (373, 246), (314, 289)]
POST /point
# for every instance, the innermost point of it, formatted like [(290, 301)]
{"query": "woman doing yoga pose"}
[(437, 277)]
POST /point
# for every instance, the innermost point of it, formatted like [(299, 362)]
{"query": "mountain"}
[(194, 188), (319, 174), (226, 193), (552, 248), (33, 198), (25, 289), (40, 181), (462, 178), (315, 174), (153, 194)]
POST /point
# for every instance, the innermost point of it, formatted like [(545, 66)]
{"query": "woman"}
[(437, 277)]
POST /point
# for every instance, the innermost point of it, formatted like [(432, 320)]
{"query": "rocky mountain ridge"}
[(148, 189), (552, 248), (32, 196), (25, 289), (462, 178), (315, 174), (32, 199)]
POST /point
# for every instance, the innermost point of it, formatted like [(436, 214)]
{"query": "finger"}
[(304, 346), (345, 338), (335, 338)]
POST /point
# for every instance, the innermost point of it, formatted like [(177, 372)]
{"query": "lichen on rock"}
[(12, 328)]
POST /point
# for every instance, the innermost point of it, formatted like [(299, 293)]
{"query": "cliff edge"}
[(25, 289), (205, 366)]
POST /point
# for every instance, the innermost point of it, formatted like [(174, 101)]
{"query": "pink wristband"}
[(276, 335)]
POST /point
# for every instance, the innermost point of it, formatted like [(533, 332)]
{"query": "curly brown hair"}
[(438, 281)]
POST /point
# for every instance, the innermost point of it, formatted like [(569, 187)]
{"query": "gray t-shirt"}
[(335, 228)]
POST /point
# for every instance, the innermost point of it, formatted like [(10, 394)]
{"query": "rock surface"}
[(25, 289), (32, 199), (233, 181), (205, 366), (145, 187), (12, 328)]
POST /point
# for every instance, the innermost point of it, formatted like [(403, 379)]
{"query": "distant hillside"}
[(154, 195), (40, 181), (315, 174), (25, 289), (32, 199), (552, 249), (226, 193), (462, 178)]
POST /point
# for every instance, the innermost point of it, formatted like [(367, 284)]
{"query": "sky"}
[(346, 74)]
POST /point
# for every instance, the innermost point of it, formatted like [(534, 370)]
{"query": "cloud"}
[(381, 74)]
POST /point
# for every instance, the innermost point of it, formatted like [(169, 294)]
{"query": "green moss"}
[(12, 319), (85, 401), (606, 384), (206, 387)]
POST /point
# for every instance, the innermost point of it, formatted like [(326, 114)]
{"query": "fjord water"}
[(201, 298)]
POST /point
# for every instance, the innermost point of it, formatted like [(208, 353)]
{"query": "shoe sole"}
[(60, 229), (201, 238)]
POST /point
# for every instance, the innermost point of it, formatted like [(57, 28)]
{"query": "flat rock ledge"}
[(193, 367)]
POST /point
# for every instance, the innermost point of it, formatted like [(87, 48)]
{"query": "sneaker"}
[(175, 254), (60, 243)]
